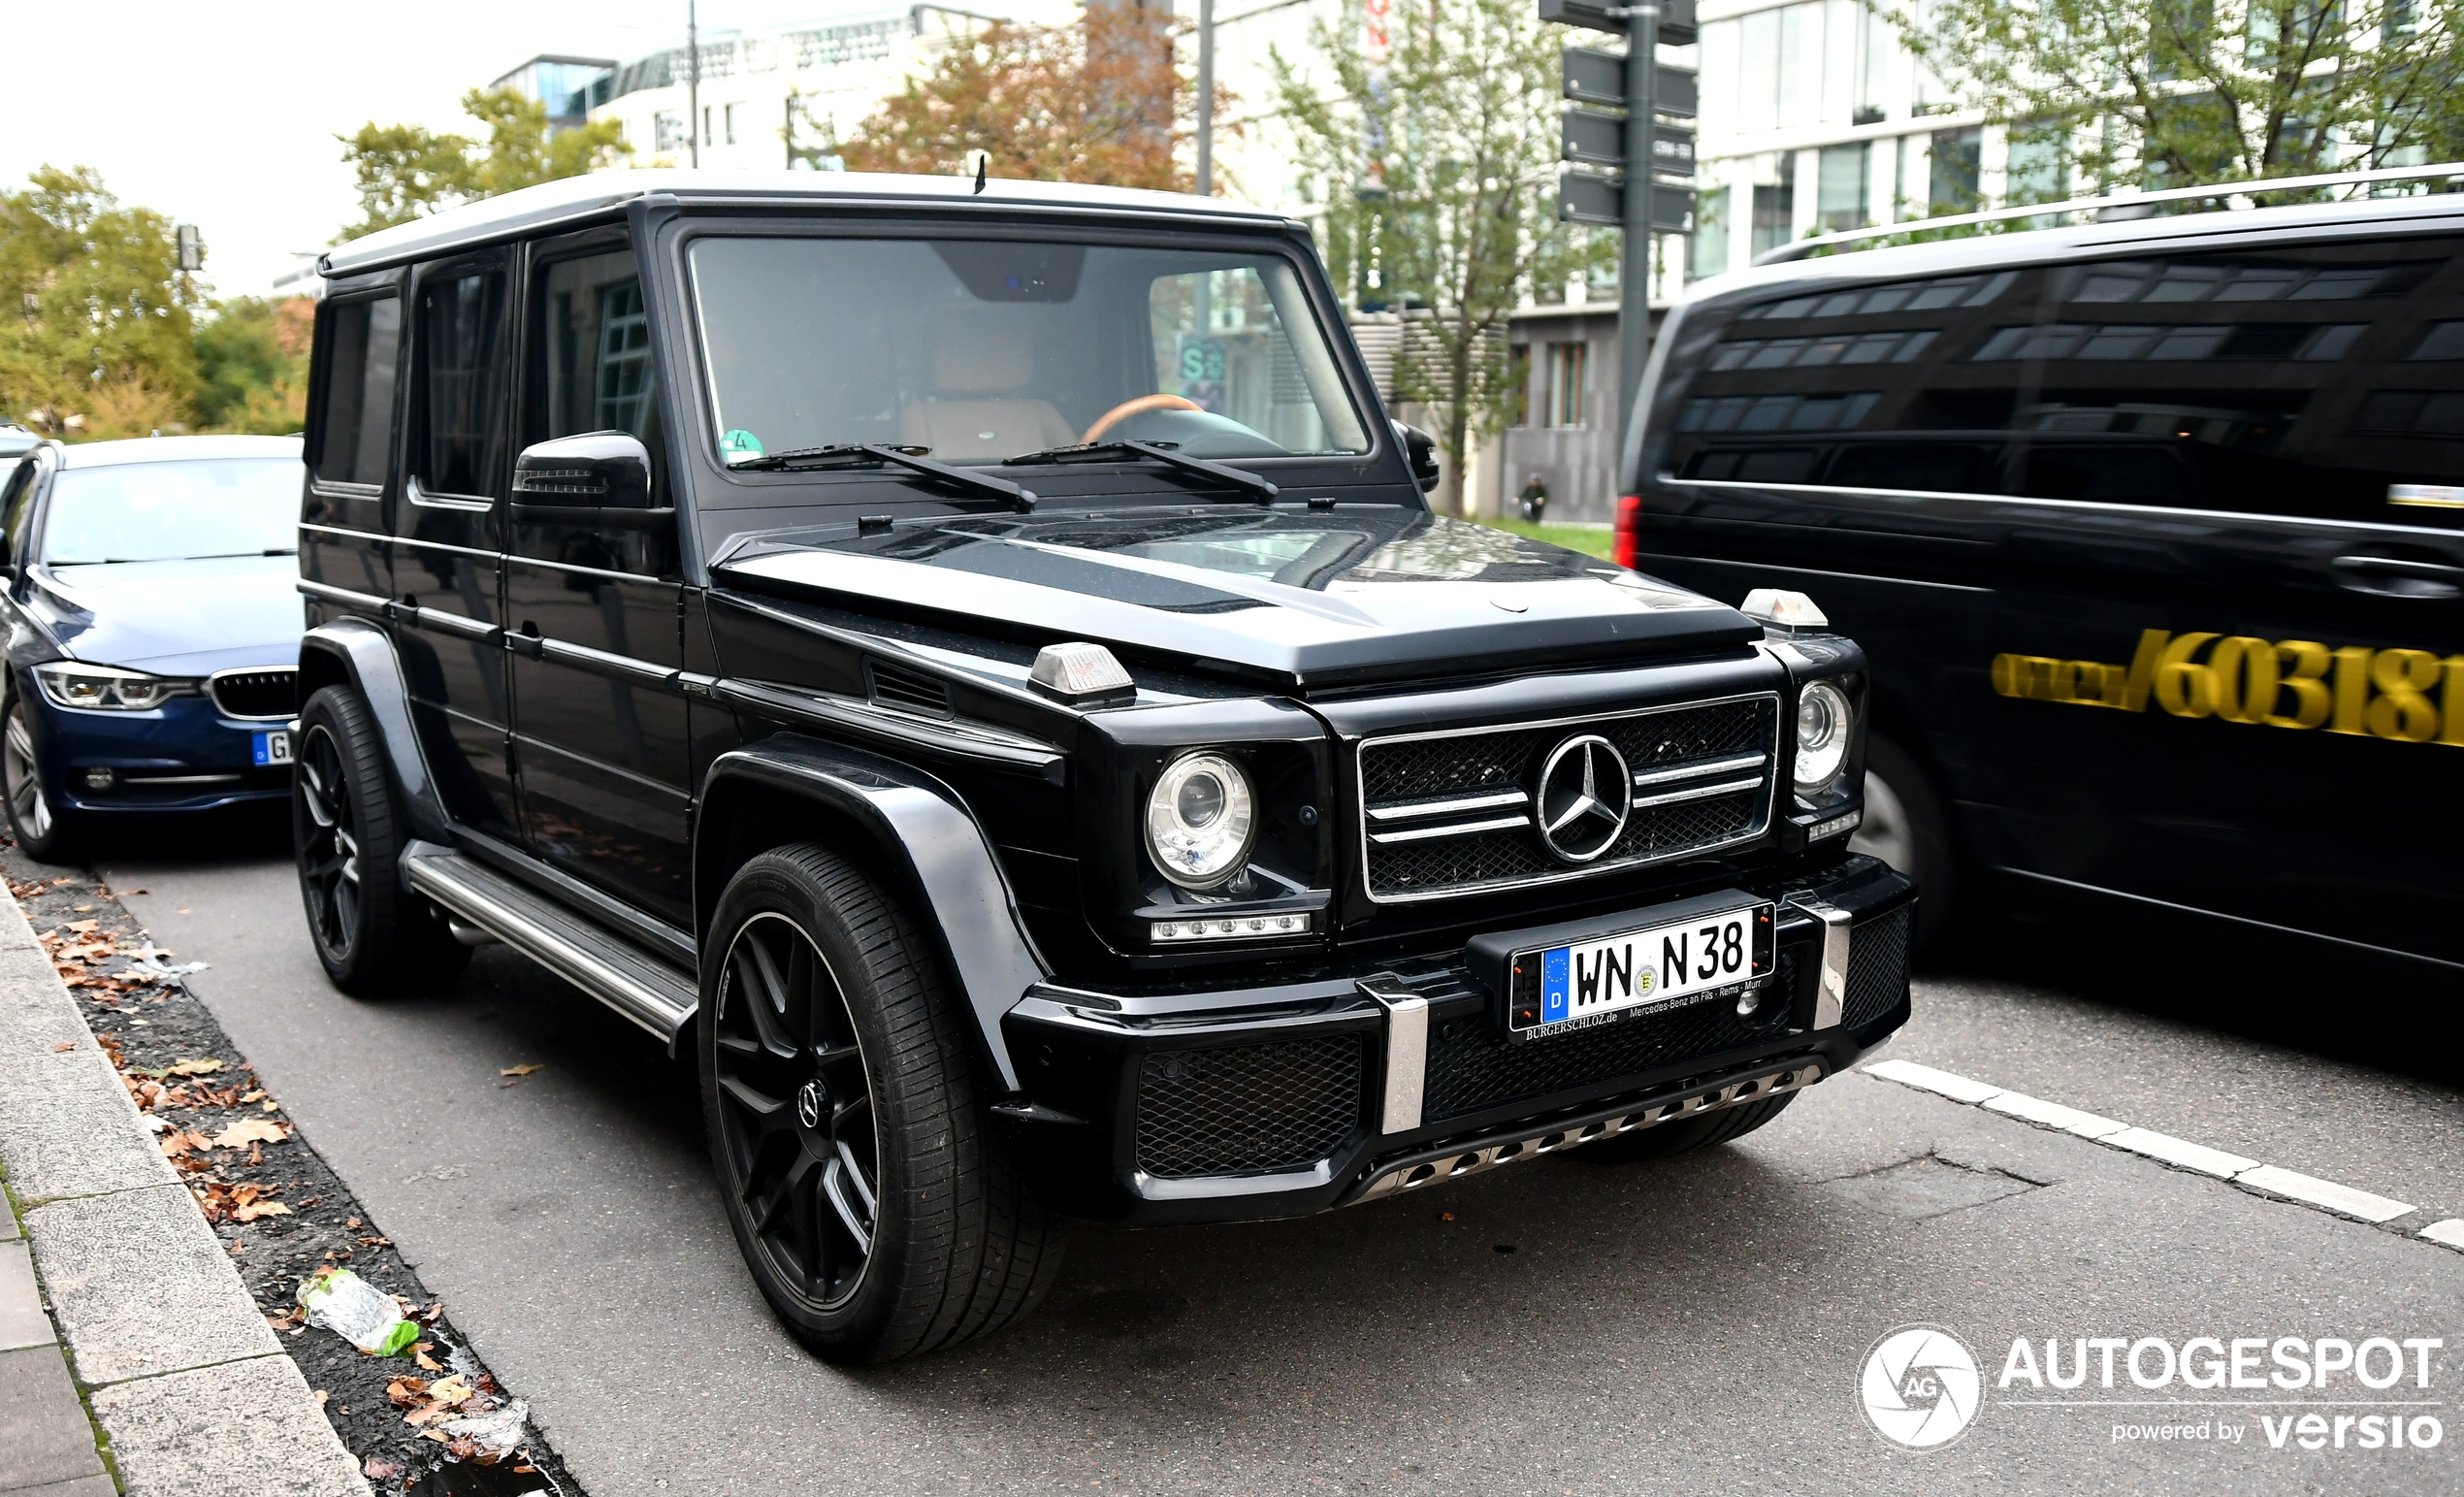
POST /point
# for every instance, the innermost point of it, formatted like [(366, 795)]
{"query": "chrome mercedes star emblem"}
[(1585, 794), (810, 1103)]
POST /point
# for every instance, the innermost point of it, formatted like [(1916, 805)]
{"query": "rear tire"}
[(1906, 826), (46, 832), (372, 933), (1688, 1135), (878, 1213)]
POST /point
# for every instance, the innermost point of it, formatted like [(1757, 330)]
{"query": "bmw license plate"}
[(271, 748), (1613, 977)]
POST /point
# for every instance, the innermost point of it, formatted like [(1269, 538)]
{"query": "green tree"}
[(96, 317), (2185, 92), (252, 365), (406, 172), (1437, 170)]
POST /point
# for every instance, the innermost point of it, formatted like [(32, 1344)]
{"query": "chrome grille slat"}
[(1411, 777)]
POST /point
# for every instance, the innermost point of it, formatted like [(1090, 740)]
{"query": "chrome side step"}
[(652, 992)]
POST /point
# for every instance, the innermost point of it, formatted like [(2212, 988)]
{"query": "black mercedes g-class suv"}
[(977, 670)]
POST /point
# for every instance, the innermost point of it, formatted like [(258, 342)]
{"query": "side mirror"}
[(1421, 451), (598, 480)]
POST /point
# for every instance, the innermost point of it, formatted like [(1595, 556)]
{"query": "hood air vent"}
[(909, 690)]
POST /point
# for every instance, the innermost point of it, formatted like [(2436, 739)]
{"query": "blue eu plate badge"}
[(270, 748)]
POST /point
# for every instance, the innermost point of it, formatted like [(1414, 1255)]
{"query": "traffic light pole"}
[(1634, 267)]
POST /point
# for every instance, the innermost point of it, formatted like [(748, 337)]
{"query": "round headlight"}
[(1822, 736), (1200, 820)]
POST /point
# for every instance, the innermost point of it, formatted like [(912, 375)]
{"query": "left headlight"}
[(71, 683), (1824, 724), (1201, 820)]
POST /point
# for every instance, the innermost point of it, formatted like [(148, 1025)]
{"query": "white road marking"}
[(2325, 1194), (2182, 1153)]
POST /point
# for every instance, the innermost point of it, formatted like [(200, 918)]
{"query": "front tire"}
[(876, 1211), (46, 831), (372, 933)]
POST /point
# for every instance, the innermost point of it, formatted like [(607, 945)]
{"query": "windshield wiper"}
[(1162, 452), (866, 454)]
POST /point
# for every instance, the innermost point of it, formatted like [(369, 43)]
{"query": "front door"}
[(596, 614), (448, 552)]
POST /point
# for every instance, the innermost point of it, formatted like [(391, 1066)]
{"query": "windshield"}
[(984, 351), (171, 512)]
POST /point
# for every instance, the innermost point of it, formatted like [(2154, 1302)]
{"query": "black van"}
[(2152, 531)]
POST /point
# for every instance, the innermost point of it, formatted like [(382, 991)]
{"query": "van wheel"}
[(44, 830), (372, 933), (878, 1215), (1687, 1135), (1905, 826)]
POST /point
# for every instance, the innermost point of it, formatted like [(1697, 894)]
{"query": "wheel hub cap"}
[(812, 1103)]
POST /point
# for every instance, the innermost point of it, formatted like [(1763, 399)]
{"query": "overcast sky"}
[(223, 115)]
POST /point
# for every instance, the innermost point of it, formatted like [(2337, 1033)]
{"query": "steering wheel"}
[(1127, 409)]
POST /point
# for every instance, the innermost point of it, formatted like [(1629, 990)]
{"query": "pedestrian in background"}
[(1533, 502)]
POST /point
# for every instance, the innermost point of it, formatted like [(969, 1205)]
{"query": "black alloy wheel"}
[(372, 933), (39, 827), (879, 1213), (795, 1111)]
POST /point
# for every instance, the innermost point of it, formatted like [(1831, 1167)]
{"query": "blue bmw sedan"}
[(153, 631)]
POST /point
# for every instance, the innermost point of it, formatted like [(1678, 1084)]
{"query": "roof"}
[(1988, 249), (576, 197), (176, 449)]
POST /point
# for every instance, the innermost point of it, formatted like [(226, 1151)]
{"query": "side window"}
[(591, 364), (355, 435), (17, 508), (460, 382)]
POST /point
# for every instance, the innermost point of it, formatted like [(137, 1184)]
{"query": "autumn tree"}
[(1437, 170), (2184, 92), (1100, 100), (252, 356), (96, 336), (406, 172)]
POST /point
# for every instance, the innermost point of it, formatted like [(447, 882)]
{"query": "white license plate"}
[(1593, 981), (271, 748)]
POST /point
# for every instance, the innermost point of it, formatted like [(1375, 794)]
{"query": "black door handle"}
[(2394, 576)]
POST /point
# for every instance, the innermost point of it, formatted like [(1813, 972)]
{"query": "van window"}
[(591, 364), (355, 436), (1930, 467), (460, 381)]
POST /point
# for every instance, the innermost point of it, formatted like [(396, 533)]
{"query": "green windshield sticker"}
[(739, 445)]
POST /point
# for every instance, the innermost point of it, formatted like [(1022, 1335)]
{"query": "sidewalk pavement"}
[(186, 1382)]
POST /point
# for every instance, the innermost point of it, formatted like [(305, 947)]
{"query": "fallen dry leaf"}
[(203, 1065), (321, 1397), (260, 1208), (63, 1047), (524, 1069), (80, 926), (251, 1130), (419, 1353)]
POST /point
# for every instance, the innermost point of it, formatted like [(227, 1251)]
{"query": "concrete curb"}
[(189, 1384)]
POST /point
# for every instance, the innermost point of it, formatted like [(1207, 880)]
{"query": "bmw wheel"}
[(372, 933), (39, 827), (877, 1212)]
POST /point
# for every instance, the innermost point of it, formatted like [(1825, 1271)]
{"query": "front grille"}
[(1472, 1067), (262, 694), (1877, 967), (1416, 792), (1247, 1109)]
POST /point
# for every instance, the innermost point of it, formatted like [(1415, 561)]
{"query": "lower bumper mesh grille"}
[(1247, 1109), (1877, 967)]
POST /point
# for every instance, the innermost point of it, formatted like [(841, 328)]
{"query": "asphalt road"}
[(1555, 1327)]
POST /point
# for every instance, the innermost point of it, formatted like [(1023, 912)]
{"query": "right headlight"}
[(72, 683), (1201, 820), (1824, 724)]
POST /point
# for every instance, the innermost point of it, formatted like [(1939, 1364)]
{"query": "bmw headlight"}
[(1201, 820), (72, 683), (1824, 720)]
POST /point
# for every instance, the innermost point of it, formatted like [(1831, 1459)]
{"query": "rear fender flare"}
[(359, 652), (924, 835)]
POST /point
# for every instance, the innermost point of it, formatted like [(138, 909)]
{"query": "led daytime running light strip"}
[(1239, 928)]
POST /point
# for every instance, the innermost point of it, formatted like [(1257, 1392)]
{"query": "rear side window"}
[(2113, 474), (355, 434), (1932, 468), (461, 430)]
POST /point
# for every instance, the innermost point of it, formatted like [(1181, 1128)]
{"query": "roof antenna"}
[(983, 160)]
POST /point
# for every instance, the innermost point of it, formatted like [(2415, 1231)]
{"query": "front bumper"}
[(182, 756), (1289, 1100)]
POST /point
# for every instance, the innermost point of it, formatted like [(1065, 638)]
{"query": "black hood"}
[(1321, 596)]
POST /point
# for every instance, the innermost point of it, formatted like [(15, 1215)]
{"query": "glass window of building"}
[(1709, 245), (1568, 383)]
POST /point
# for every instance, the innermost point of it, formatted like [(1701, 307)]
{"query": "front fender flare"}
[(367, 656), (930, 839)]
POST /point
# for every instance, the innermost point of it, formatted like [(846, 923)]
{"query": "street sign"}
[(1585, 198), (1595, 77), (1592, 139), (1677, 18)]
